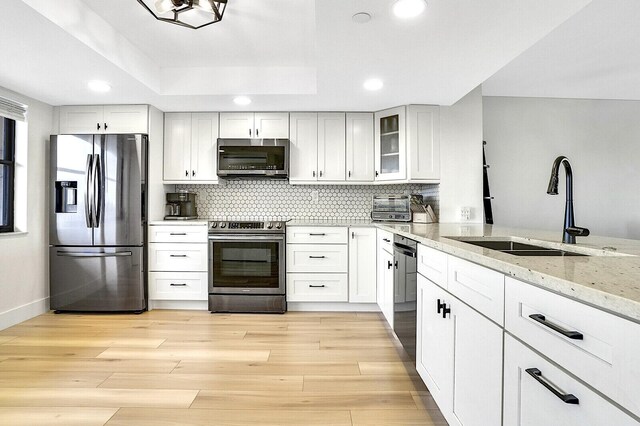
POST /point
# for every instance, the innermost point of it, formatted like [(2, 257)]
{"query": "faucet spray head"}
[(552, 189)]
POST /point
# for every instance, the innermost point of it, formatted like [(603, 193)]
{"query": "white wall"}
[(601, 139), (24, 270), (461, 158)]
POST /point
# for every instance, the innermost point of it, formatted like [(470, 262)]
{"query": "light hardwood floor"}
[(197, 368)]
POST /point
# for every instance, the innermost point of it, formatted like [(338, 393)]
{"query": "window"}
[(7, 173)]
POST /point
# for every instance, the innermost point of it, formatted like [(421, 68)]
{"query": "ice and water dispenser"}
[(66, 196)]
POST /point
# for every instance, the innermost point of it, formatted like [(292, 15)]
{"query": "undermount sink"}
[(516, 248)]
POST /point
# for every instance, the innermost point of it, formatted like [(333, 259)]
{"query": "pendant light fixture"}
[(192, 14)]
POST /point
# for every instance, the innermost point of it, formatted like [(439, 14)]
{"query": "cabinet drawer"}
[(528, 402), (385, 241), (607, 355), (317, 288), (317, 235), (178, 286), (481, 288), (432, 264), (178, 257), (178, 234), (320, 258)]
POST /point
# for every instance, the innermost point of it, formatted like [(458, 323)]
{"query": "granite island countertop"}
[(610, 281)]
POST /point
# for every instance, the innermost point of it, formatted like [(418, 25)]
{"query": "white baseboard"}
[(332, 307), (190, 305), (22, 313)]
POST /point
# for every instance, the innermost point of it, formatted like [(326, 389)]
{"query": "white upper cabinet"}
[(190, 147), (360, 147), (331, 147), (107, 119), (303, 164), (177, 146), (407, 144), (391, 154), (242, 125), (271, 125), (423, 147), (204, 138)]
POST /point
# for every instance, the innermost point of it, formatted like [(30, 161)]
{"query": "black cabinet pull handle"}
[(567, 398), (317, 235), (442, 307), (353, 235), (576, 335), (177, 255), (314, 173), (349, 173), (257, 133), (386, 240), (377, 173), (178, 285), (317, 257), (186, 172), (249, 132), (320, 173), (316, 286), (193, 173), (105, 126), (396, 264), (389, 264), (178, 233), (98, 126)]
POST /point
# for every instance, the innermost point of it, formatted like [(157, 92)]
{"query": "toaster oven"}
[(391, 208)]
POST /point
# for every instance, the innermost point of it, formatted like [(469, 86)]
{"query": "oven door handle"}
[(247, 237)]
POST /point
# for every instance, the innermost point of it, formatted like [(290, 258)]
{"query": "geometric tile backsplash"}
[(262, 199)]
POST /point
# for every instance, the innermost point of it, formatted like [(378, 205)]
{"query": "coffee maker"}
[(181, 205)]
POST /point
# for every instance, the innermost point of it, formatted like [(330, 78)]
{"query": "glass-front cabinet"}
[(390, 144)]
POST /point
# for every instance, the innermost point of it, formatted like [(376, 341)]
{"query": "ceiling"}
[(284, 54), (594, 55)]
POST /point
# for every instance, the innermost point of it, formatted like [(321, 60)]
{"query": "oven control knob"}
[(214, 225), (270, 225), (223, 225), (278, 226)]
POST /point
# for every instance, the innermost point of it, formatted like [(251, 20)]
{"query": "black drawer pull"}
[(555, 327), (178, 284), (567, 398), (317, 286), (386, 240), (389, 265), (317, 235), (177, 255), (178, 233), (317, 257), (443, 307)]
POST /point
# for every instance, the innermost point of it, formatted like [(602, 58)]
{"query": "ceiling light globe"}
[(241, 100), (99, 86), (373, 84), (406, 9)]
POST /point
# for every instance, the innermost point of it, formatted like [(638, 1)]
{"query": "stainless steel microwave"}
[(253, 158)]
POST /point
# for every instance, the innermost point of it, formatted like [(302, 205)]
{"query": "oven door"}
[(246, 264)]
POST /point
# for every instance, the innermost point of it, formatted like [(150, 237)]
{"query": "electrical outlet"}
[(465, 213), (314, 197)]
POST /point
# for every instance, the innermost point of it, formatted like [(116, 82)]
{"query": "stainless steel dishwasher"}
[(405, 292)]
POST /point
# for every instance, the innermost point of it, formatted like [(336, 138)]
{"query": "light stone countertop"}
[(610, 281), (189, 222)]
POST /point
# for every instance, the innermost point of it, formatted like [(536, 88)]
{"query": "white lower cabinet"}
[(178, 261), (459, 356), (317, 287), (384, 274), (178, 285), (537, 392), (362, 270)]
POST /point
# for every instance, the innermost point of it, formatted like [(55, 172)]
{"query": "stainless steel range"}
[(247, 267)]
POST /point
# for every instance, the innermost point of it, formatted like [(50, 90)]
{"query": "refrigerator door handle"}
[(97, 190), (89, 254), (88, 193)]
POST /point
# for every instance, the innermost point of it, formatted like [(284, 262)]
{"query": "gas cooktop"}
[(246, 227)]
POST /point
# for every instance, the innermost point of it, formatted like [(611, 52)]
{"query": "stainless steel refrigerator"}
[(97, 223)]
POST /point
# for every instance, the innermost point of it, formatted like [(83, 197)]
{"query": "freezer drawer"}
[(105, 279)]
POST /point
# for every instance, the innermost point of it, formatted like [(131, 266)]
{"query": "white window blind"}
[(12, 109)]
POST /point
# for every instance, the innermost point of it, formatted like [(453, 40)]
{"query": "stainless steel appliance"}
[(391, 208), (97, 222), (247, 267), (405, 284), (253, 158), (181, 205)]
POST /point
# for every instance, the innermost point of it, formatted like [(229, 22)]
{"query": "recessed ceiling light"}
[(373, 84), (99, 86), (361, 18), (406, 9), (241, 100)]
